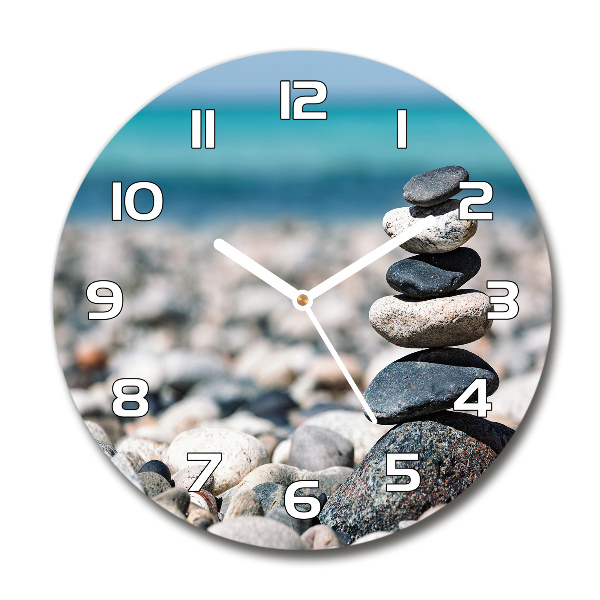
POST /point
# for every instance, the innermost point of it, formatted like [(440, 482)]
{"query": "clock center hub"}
[(302, 299)]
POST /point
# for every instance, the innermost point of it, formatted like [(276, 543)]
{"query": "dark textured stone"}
[(156, 466), (495, 435), (432, 275), (434, 187), (317, 448), (270, 495), (108, 449), (449, 461), (154, 483), (272, 405), (425, 382)]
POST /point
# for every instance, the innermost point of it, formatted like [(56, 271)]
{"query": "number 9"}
[(116, 300)]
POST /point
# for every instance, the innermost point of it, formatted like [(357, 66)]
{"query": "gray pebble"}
[(154, 483), (270, 495), (321, 537), (434, 187), (98, 432), (202, 519), (447, 233), (259, 531), (316, 448), (124, 465), (453, 320), (244, 503), (280, 514), (174, 498)]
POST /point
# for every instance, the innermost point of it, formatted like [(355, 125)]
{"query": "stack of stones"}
[(414, 392)]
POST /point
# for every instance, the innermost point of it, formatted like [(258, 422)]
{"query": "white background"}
[(72, 74)]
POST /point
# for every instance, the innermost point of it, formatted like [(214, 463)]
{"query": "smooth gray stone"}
[(279, 513), (316, 448), (259, 531), (124, 465), (432, 275), (174, 499), (434, 187)]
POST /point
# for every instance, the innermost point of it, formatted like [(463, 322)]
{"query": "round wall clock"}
[(302, 301)]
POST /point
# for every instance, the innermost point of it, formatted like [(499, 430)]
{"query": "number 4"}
[(213, 459), (482, 406)]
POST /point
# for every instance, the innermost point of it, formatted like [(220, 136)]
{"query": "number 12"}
[(300, 101)]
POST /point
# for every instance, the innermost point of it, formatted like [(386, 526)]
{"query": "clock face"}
[(302, 301)]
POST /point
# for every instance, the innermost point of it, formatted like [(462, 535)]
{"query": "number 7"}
[(213, 458)]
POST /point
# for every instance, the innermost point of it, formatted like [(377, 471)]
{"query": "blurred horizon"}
[(347, 166)]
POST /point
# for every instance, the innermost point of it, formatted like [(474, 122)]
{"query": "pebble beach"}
[(233, 368)]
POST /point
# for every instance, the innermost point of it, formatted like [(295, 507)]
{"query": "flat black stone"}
[(449, 461), (432, 275), (425, 382), (434, 187)]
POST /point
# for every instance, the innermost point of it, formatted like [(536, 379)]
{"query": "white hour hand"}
[(250, 265)]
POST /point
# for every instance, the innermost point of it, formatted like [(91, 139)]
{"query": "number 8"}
[(121, 398)]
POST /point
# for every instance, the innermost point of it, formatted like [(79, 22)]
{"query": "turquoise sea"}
[(263, 167)]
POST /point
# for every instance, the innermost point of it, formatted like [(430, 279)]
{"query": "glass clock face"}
[(302, 301)]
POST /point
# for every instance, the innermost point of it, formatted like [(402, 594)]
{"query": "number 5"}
[(391, 469)]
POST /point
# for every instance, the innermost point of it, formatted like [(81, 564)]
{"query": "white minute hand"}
[(371, 257), (250, 265)]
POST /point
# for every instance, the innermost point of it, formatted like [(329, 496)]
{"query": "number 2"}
[(487, 194)]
